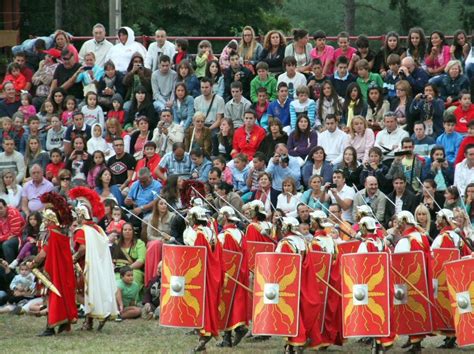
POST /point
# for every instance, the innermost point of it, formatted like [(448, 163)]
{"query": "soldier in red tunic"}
[(259, 229), (232, 239), (200, 234)]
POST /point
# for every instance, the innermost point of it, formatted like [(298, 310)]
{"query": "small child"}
[(151, 297), (392, 77), (14, 76), (203, 56), (116, 225), (316, 79), (23, 289), (27, 107), (240, 171), (45, 114), (97, 142), (263, 79), (224, 58), (55, 135), (304, 230), (303, 104), (93, 113), (221, 164), (56, 165), (127, 294), (7, 130), (182, 51), (255, 171), (30, 235), (98, 158), (71, 106), (117, 110)]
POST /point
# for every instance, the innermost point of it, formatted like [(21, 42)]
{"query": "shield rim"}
[(346, 242), (203, 312), (258, 242), (235, 284), (299, 294), (389, 307)]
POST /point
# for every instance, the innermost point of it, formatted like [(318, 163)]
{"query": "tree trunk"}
[(58, 14), (349, 15)]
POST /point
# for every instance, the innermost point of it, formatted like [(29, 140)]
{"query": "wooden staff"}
[(328, 285), (238, 212), (371, 211), (169, 206), (239, 283), (204, 199)]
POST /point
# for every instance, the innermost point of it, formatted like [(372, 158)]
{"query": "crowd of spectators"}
[(299, 125)]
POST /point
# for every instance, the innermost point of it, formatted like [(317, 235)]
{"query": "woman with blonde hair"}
[(401, 103), (198, 135), (249, 49), (113, 130), (10, 191), (423, 218), (274, 51), (362, 138), (463, 223)]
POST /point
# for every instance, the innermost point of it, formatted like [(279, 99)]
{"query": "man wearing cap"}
[(370, 196), (66, 74), (97, 45), (232, 239), (199, 234), (167, 132)]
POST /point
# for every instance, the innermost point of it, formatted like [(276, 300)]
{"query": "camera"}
[(440, 160), (402, 153), (284, 159), (333, 185), (401, 73)]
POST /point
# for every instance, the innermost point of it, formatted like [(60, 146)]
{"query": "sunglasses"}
[(66, 58), (65, 178)]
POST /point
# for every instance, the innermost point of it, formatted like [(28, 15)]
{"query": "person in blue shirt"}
[(450, 139), (201, 165), (280, 108)]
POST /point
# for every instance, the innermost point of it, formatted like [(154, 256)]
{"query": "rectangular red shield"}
[(365, 295), (276, 294), (254, 247), (348, 247), (440, 288), (183, 286), (460, 277), (412, 313), (322, 263), (232, 262)]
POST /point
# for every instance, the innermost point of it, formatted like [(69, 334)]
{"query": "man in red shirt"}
[(248, 137), (464, 113), (11, 229)]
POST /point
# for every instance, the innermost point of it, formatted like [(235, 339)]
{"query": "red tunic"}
[(59, 268), (447, 241), (214, 281), (253, 233), (239, 310)]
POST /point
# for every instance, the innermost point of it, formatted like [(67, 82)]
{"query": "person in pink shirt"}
[(345, 50), (323, 52), (438, 53)]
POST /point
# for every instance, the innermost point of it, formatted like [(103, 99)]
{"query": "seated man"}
[(11, 230), (236, 72), (175, 162)]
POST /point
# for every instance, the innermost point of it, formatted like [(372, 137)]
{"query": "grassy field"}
[(18, 335)]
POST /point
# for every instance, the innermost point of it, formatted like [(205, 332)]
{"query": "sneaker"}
[(118, 318), (156, 314)]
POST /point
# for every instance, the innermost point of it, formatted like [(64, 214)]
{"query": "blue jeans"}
[(10, 249)]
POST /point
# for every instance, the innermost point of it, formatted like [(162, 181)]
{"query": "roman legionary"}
[(448, 237), (413, 239), (259, 230), (371, 242), (200, 234), (232, 239), (332, 333), (91, 246), (58, 266)]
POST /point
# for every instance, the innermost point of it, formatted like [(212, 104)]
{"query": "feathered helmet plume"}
[(56, 209), (89, 203)]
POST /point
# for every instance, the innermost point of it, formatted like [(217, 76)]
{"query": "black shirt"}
[(120, 167), (61, 74)]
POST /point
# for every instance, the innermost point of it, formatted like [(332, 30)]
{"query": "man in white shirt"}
[(157, 49), (390, 138), (464, 171), (98, 45), (167, 133), (236, 107), (342, 195), (333, 140), (292, 77)]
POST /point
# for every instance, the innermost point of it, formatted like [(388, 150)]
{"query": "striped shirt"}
[(174, 166)]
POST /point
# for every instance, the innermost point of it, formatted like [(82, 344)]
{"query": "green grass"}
[(18, 335)]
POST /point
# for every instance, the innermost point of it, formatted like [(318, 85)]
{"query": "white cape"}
[(99, 277)]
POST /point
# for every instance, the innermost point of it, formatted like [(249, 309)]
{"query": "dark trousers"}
[(10, 249)]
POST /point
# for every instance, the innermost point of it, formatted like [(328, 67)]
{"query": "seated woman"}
[(391, 46), (140, 137), (275, 136), (350, 166), (142, 105), (129, 251), (35, 155), (198, 135), (362, 138), (302, 139), (249, 49), (137, 76), (300, 48), (401, 103), (107, 190), (439, 169), (222, 142), (316, 197), (79, 162), (354, 104), (329, 102), (10, 190), (452, 82), (423, 218), (289, 198), (186, 74), (214, 72), (64, 177), (263, 193), (316, 164), (377, 106), (183, 106), (428, 107), (273, 51), (437, 53), (162, 219), (113, 130)]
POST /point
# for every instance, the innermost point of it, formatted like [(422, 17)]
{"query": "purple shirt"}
[(33, 192)]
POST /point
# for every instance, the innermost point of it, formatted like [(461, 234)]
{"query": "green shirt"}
[(129, 292), (270, 85), (373, 79)]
